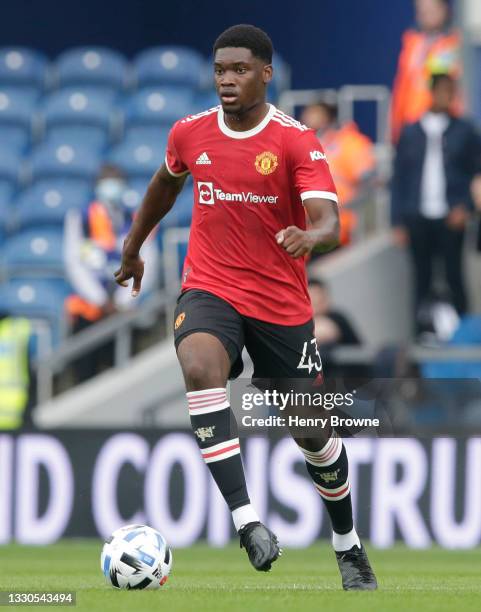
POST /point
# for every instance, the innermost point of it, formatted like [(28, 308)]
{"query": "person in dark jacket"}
[(436, 160)]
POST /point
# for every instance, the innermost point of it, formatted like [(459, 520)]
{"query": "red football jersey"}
[(247, 187)]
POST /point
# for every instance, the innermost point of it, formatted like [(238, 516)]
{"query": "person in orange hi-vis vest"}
[(350, 155), (433, 48), (93, 244)]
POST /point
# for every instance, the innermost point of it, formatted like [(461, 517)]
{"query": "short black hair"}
[(439, 77), (248, 37)]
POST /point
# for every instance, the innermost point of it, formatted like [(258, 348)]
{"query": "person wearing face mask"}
[(93, 244), (433, 46)]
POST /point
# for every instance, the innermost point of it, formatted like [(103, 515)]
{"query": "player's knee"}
[(201, 374)]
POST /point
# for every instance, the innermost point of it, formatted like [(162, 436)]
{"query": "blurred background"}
[(94, 431)]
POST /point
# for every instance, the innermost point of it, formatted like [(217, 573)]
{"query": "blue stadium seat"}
[(78, 116), (16, 112), (29, 96), (5, 220), (23, 67), (134, 193), (138, 159), (98, 66), (156, 107), (35, 298), (88, 137), (47, 203), (6, 192), (6, 197), (206, 99), (147, 134), (34, 252), (14, 136), (169, 66), (11, 165), (180, 214), (52, 160)]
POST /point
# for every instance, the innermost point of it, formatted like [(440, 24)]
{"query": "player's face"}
[(240, 79)]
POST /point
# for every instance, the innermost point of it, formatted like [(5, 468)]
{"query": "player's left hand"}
[(131, 267), (295, 241)]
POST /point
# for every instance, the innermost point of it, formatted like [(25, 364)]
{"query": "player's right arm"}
[(161, 194)]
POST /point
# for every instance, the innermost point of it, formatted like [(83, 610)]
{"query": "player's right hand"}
[(132, 266)]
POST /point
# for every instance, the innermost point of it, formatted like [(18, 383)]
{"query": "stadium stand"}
[(133, 195), (104, 68), (206, 99), (34, 252), (57, 160), (24, 68), (79, 116), (181, 213), (4, 217), (37, 299), (10, 166), (16, 110), (170, 66), (138, 159), (150, 112), (47, 202)]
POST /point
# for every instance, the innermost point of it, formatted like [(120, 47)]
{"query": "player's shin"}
[(215, 428), (329, 470)]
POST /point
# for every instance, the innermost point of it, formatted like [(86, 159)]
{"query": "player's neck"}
[(247, 120)]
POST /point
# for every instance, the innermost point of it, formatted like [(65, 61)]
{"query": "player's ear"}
[(267, 73)]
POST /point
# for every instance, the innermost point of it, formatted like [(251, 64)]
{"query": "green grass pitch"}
[(222, 580)]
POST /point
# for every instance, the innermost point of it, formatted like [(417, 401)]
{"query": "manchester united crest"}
[(266, 162), (179, 320)]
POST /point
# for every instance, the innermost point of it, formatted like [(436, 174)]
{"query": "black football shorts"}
[(277, 351)]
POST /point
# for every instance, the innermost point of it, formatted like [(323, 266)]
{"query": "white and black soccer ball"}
[(136, 557)]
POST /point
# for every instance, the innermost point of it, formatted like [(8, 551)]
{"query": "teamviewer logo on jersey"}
[(206, 192)]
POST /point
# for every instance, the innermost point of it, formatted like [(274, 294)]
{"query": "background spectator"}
[(93, 243), (332, 328), (436, 160), (350, 154), (16, 397), (432, 47)]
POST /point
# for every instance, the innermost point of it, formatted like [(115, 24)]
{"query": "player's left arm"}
[(322, 236), (317, 192)]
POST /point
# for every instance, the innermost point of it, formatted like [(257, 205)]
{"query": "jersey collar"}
[(247, 133)]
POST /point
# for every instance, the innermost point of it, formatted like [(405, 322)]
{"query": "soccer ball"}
[(136, 557)]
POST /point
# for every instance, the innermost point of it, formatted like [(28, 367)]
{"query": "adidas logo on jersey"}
[(203, 159)]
